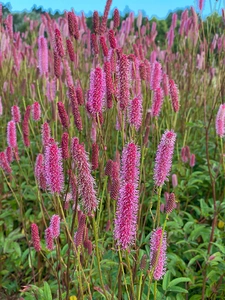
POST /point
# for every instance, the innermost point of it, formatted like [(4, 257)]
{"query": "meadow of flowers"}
[(112, 163)]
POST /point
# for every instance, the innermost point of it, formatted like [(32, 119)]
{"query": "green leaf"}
[(47, 292), (177, 289), (178, 280), (166, 280)]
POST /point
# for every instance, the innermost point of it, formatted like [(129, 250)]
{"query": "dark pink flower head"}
[(58, 43), (11, 134), (63, 115), (97, 90), (95, 22), (65, 145), (103, 26), (124, 82), (200, 4), (55, 225), (170, 203), (4, 164), (192, 160), (164, 156), (53, 168), (75, 108), (130, 163), (174, 94), (9, 154), (156, 76), (165, 84), (86, 182), (16, 116), (116, 18), (220, 121), (158, 253), (135, 112), (46, 133), (126, 216), (95, 154), (78, 236), (35, 237), (112, 39), (49, 239), (105, 49), (157, 102), (36, 111), (39, 166), (43, 55), (94, 44), (70, 49)]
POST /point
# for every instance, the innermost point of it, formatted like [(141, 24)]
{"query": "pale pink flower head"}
[(11, 134), (55, 225), (35, 237), (157, 102), (163, 161), (54, 168), (158, 253), (43, 55), (192, 160), (220, 121)]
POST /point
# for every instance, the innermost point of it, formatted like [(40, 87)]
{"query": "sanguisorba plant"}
[(94, 119)]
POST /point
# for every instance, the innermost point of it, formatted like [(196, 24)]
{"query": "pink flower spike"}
[(43, 55), (163, 161), (46, 133), (54, 168), (55, 225), (158, 253), (174, 94), (4, 164), (35, 237), (135, 112), (157, 103), (49, 239), (156, 76), (11, 134), (220, 121), (36, 111), (16, 116)]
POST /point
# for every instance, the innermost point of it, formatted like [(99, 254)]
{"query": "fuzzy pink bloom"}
[(16, 116), (112, 39), (116, 18), (36, 111), (43, 55), (105, 49), (95, 21), (95, 154), (220, 121), (49, 239), (65, 145), (55, 225), (158, 253), (57, 65), (94, 44), (200, 4), (126, 216), (108, 167), (9, 154), (135, 112), (88, 246), (46, 133), (174, 180), (156, 76), (35, 237), (170, 203), (75, 108), (79, 94), (39, 167), (53, 168), (192, 160), (70, 49), (25, 126), (103, 26), (63, 115), (174, 94), (78, 236), (4, 164), (163, 161), (97, 90), (72, 25), (58, 43), (11, 134), (142, 70), (86, 182), (165, 84), (127, 205), (170, 37), (124, 82), (157, 102), (109, 84)]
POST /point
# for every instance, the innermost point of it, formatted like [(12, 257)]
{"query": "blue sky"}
[(158, 8)]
